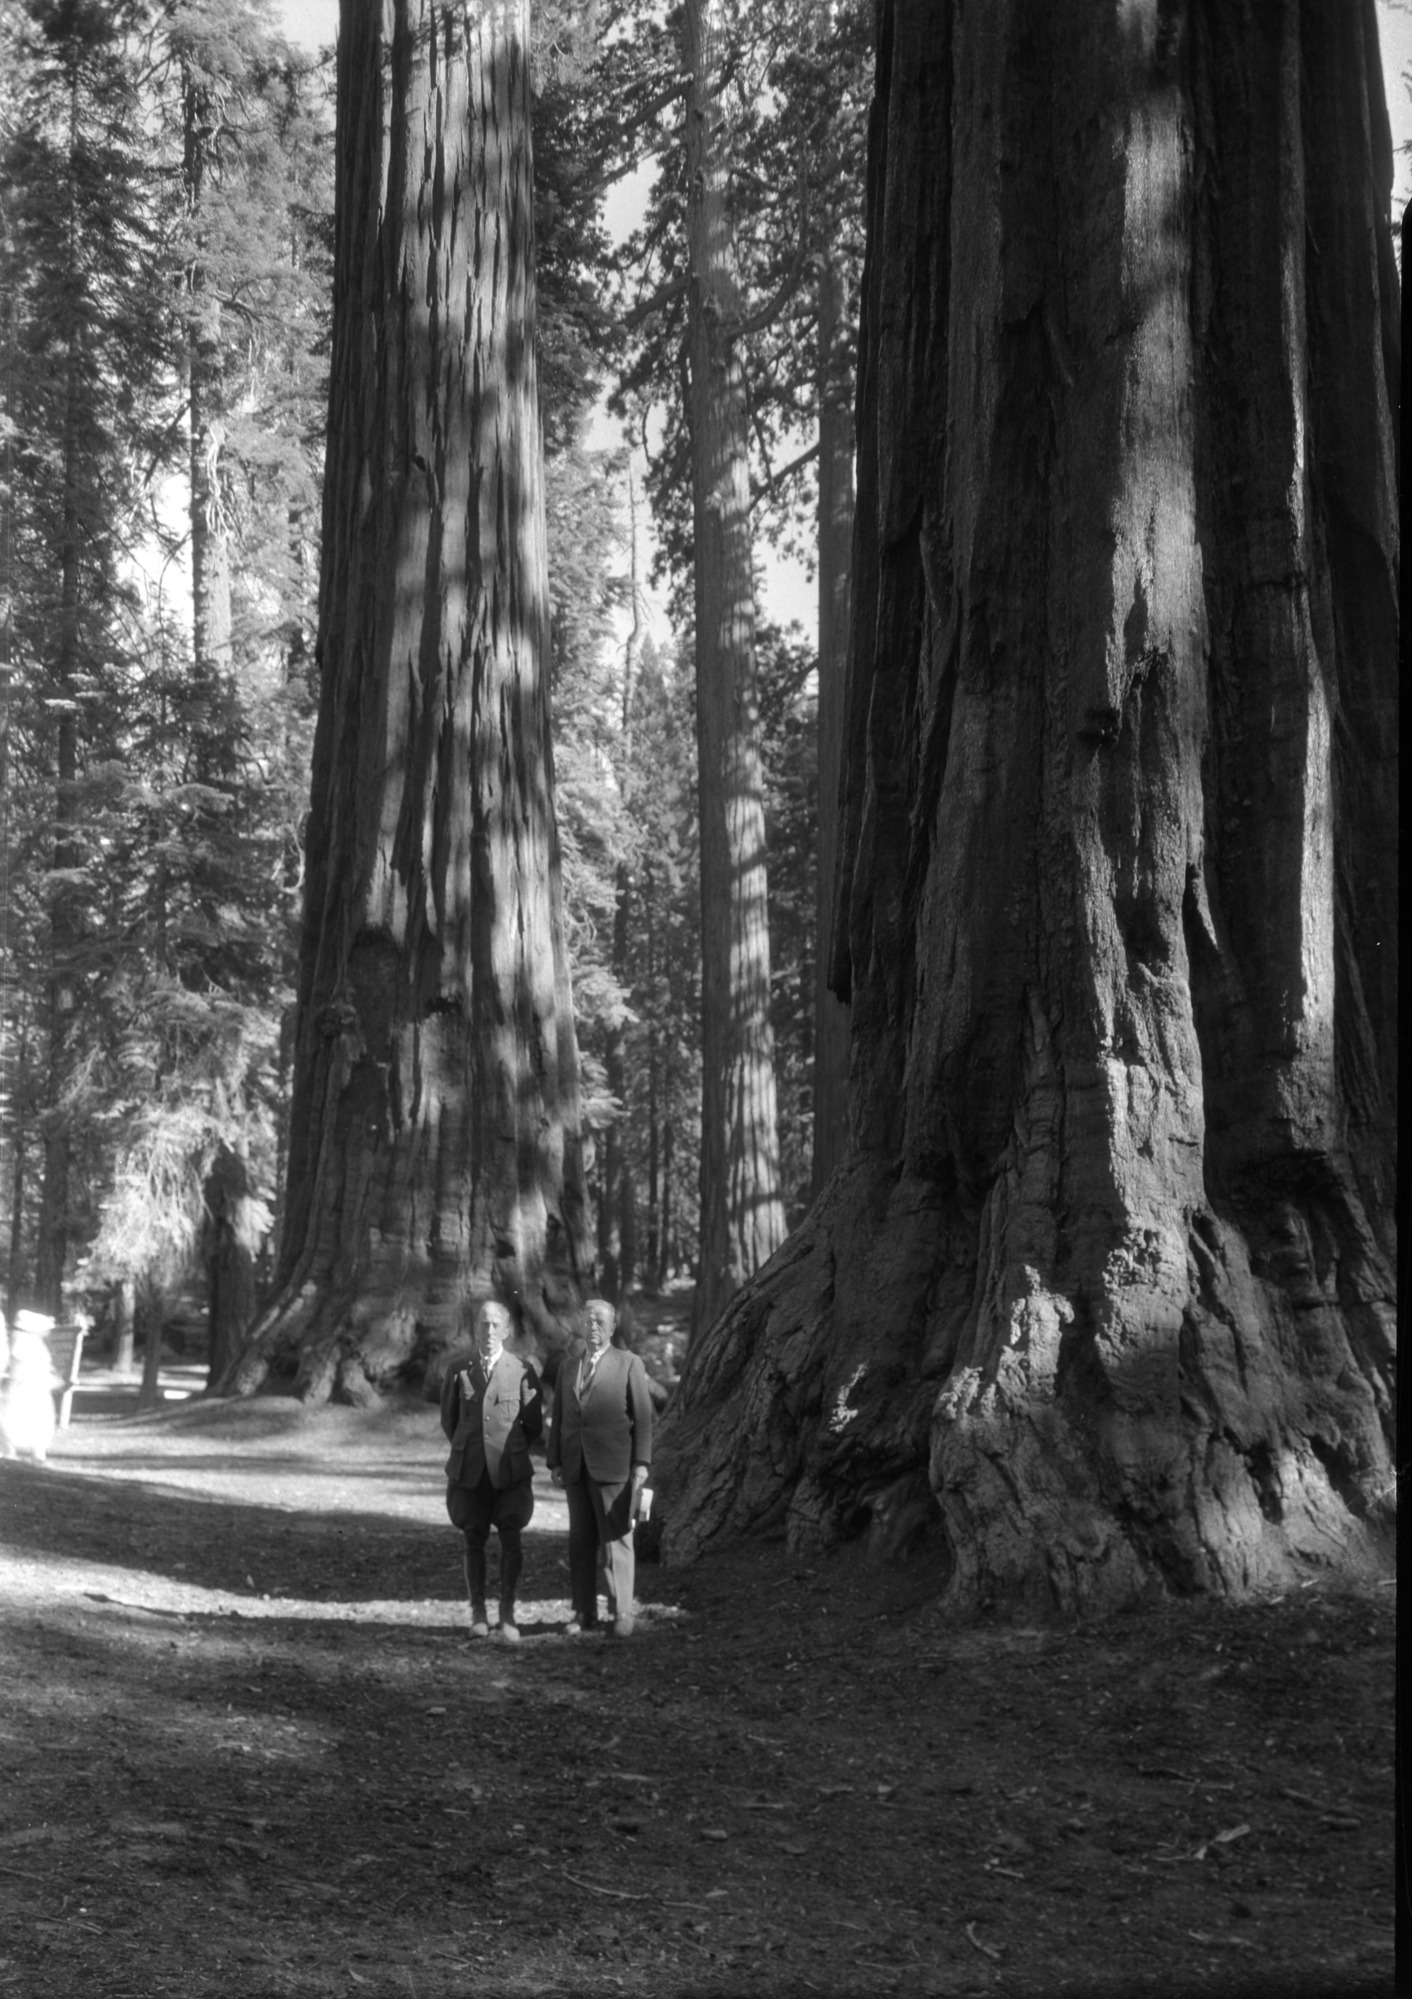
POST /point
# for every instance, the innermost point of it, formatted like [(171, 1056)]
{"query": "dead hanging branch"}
[(644, 309), (767, 486), (742, 329)]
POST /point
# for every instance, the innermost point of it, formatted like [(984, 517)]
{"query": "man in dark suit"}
[(492, 1411), (599, 1450)]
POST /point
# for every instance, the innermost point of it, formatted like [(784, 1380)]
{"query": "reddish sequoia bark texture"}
[(435, 1125), (1102, 1299)]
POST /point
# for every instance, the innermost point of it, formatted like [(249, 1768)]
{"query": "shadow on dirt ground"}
[(246, 1748)]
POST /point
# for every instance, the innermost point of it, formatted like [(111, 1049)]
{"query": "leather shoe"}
[(480, 1623), (623, 1627), (576, 1627), (509, 1631)]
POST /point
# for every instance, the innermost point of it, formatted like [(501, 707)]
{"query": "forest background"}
[(167, 186), (168, 193)]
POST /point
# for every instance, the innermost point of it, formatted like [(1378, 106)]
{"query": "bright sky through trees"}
[(315, 22)]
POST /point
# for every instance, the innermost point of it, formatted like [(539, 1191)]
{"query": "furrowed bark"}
[(1102, 1298), (742, 1211), (435, 1132)]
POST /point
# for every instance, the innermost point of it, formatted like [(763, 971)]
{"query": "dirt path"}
[(246, 1749)]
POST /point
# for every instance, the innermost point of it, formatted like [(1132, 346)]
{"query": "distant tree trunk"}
[(1103, 1297), (669, 1258), (230, 1238), (615, 1169), (52, 1233), (210, 540), (835, 565), (434, 1131), (628, 1251), (742, 1213), (19, 1136), (14, 1285), (210, 543), (654, 1179), (606, 1265), (617, 1184), (124, 1328), (230, 1268), (20, 1105), (148, 1313)]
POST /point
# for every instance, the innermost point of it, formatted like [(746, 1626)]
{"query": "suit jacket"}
[(609, 1430), (491, 1423)]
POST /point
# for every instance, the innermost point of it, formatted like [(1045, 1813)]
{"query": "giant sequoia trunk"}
[(435, 1114), (742, 1210), (1103, 1294)]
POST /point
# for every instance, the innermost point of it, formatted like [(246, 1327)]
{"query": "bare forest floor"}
[(247, 1748)]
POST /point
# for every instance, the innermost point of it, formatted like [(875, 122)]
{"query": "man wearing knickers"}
[(492, 1411)]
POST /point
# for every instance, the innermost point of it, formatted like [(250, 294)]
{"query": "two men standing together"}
[(599, 1451)]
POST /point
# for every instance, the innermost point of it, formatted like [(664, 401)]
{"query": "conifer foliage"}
[(169, 259), (153, 759)]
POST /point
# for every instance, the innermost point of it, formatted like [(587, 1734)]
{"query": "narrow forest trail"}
[(245, 1748)]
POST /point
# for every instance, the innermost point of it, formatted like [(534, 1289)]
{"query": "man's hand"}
[(639, 1477), (556, 1477)]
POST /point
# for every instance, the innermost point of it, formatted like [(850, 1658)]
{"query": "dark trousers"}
[(475, 1509), (600, 1517)]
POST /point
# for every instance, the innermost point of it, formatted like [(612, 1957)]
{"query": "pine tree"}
[(84, 322), (184, 799)]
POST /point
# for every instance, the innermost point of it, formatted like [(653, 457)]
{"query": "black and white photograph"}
[(699, 1018)]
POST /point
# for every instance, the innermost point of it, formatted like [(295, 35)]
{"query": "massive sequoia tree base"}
[(434, 1151), (1102, 1299), (885, 1377)]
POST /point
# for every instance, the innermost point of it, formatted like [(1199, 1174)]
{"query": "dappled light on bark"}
[(742, 1211), (1101, 1298), (435, 1122)]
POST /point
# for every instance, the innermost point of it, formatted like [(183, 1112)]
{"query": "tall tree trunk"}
[(14, 1282), (1103, 1296), (435, 1141), (616, 1076), (19, 1165), (742, 1213), (16, 1094), (124, 1303), (210, 539), (617, 1182), (230, 1238), (230, 1265), (628, 1250), (835, 569), (654, 1112), (52, 1232), (150, 1308)]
